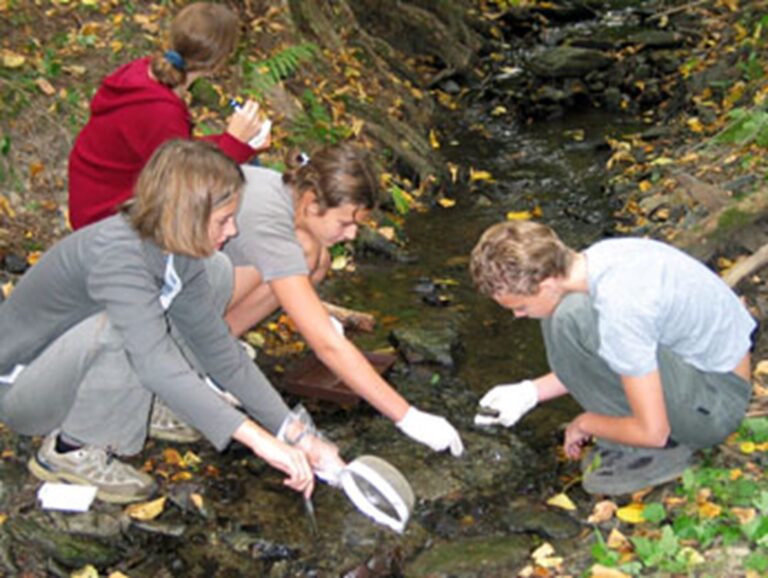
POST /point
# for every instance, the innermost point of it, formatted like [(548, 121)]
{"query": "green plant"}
[(315, 124), (260, 76), (400, 198), (746, 126)]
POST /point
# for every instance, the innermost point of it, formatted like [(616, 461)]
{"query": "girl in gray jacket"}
[(123, 311)]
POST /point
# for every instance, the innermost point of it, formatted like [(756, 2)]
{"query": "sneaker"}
[(624, 470), (166, 426), (249, 349), (115, 481)]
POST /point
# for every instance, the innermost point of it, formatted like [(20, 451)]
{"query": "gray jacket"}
[(107, 268)]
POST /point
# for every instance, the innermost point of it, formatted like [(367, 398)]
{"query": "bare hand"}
[(575, 439), (245, 123), (288, 459)]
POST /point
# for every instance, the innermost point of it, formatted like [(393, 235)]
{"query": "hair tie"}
[(176, 60), (303, 159)]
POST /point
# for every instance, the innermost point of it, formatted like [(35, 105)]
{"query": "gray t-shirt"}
[(266, 236), (648, 294)]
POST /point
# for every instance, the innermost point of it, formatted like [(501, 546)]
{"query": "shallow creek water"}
[(474, 516), (478, 515)]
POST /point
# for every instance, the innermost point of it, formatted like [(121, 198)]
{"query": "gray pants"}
[(85, 384), (703, 407)]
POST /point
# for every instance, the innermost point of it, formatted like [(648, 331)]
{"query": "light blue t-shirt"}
[(648, 294)]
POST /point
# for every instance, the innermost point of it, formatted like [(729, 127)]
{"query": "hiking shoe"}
[(616, 471), (249, 349), (115, 481), (166, 426)]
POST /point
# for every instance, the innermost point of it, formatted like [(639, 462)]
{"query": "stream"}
[(480, 515)]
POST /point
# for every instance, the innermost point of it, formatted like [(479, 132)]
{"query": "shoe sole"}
[(173, 437), (41, 472)]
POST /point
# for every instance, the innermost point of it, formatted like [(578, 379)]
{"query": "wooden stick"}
[(747, 266), (351, 318)]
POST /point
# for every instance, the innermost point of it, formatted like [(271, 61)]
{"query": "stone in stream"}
[(472, 557), (69, 550), (427, 345)]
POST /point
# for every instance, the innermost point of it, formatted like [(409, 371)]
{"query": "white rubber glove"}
[(511, 401), (431, 430)]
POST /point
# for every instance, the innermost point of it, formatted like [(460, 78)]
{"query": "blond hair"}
[(516, 256), (337, 175), (176, 192), (203, 35)]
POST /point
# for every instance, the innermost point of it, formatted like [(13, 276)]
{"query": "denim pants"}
[(85, 384), (703, 408)]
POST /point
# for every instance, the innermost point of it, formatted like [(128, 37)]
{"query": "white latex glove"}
[(511, 401), (431, 430)]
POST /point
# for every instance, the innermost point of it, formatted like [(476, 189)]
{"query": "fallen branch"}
[(745, 267), (351, 318)]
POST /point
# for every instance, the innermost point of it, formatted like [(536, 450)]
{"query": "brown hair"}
[(178, 189), (516, 256), (337, 174), (204, 35)]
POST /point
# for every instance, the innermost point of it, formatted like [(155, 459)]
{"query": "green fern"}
[(262, 75), (315, 124)]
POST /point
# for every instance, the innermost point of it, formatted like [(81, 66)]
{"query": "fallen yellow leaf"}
[(694, 124), (562, 501), (632, 514), (454, 170), (146, 511), (45, 87), (618, 541), (519, 216), (709, 510), (339, 262), (11, 59), (85, 572), (475, 175), (433, 140), (747, 447), (5, 207)]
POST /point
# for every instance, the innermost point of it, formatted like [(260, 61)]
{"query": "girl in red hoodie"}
[(140, 106)]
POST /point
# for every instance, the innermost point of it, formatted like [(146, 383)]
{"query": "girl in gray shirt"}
[(88, 338), (287, 222)]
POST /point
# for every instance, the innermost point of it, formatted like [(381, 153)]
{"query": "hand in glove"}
[(431, 430), (511, 402)]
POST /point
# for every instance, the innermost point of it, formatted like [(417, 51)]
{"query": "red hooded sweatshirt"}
[(131, 115)]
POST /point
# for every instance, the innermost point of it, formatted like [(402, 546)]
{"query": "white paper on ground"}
[(68, 497)]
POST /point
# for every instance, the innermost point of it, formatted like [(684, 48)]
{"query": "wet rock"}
[(472, 557), (173, 530), (15, 264), (370, 241), (429, 485), (550, 524), (69, 550), (565, 61), (93, 523), (427, 345), (657, 38)]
